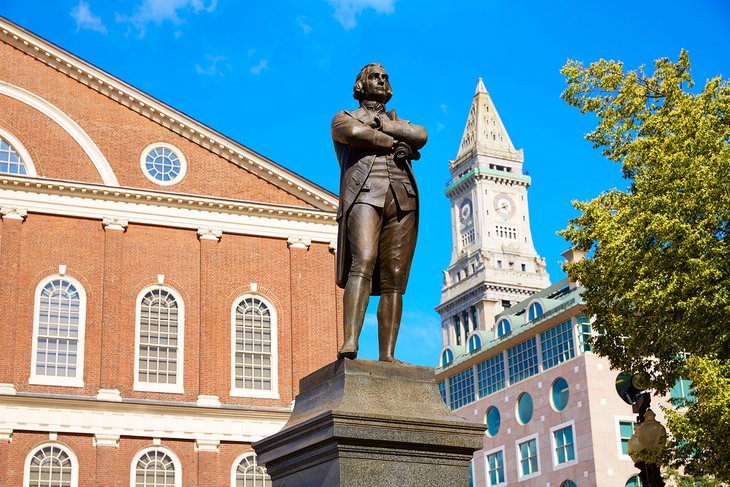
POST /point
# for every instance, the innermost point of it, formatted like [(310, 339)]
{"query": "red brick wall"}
[(106, 466), (119, 132)]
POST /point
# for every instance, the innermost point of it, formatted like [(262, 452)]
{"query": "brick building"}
[(153, 284)]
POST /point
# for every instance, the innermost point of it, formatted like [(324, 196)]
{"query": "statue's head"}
[(372, 84)]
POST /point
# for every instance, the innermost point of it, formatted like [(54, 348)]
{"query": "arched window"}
[(633, 481), (254, 348), (503, 328), (58, 332), (156, 467), (534, 311), (247, 473), (159, 347), (475, 343), (51, 465), (447, 357), (14, 159)]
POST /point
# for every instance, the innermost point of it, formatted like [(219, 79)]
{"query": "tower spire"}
[(484, 133)]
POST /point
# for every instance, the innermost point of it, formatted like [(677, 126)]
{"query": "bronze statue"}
[(378, 212)]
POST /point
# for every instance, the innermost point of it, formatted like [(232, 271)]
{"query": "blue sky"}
[(272, 74)]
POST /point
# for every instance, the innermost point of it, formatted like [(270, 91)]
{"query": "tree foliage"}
[(657, 277)]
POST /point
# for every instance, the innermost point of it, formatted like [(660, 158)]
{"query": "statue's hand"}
[(376, 123)]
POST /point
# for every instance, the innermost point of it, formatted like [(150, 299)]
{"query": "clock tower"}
[(493, 260)]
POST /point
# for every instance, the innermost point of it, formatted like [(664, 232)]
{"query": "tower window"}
[(524, 267)]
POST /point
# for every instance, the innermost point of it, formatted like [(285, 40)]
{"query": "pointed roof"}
[(157, 111), (484, 133)]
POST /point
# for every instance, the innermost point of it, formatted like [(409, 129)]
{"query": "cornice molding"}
[(168, 117), (13, 213), (108, 421), (86, 200)]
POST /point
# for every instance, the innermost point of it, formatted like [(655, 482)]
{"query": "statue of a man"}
[(378, 212)]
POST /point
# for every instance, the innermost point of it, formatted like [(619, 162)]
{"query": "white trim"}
[(22, 152), (60, 446), (77, 381), (486, 465), (67, 124), (180, 155), (441, 357), (88, 417), (178, 387), (239, 459), (171, 119), (175, 462), (520, 476), (559, 466), (149, 207), (617, 423), (242, 392)]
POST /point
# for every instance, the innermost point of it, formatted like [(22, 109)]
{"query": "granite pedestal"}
[(360, 423)]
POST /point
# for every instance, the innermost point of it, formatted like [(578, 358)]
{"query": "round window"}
[(568, 483), (524, 408), (163, 164), (493, 421), (559, 394)]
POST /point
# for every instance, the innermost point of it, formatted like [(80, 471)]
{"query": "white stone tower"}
[(493, 262)]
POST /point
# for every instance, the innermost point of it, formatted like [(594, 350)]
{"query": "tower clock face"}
[(504, 205), (465, 211)]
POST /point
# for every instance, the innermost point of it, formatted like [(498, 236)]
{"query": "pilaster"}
[(110, 341), (211, 327), (11, 239)]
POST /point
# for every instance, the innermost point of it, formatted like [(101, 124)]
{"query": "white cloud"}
[(159, 11), (306, 28), (256, 69), (346, 11), (439, 127), (81, 13), (444, 108), (215, 66)]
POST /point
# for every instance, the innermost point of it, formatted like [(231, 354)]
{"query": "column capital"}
[(13, 213), (299, 243), (210, 234), (6, 435), (114, 223), (106, 439), (207, 444), (333, 246)]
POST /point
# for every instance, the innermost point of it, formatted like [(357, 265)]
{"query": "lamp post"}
[(648, 441)]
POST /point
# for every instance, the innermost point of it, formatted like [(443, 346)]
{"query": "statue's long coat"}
[(357, 145)]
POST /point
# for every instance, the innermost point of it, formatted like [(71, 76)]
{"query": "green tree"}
[(657, 277)]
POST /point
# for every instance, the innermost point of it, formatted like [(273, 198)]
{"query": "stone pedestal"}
[(359, 423)]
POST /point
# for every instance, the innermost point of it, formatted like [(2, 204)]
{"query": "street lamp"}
[(647, 442), (645, 448)]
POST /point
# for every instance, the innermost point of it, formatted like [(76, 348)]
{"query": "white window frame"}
[(178, 387), (239, 458), (175, 462), (22, 152), (520, 476), (553, 446), (77, 381), (441, 357), (178, 153), (617, 422), (60, 446), (243, 392), (487, 479)]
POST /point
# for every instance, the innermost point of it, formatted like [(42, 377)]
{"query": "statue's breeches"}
[(383, 237)]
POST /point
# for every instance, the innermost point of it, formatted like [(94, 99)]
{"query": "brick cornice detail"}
[(164, 115)]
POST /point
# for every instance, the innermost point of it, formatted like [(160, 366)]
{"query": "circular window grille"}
[(163, 164)]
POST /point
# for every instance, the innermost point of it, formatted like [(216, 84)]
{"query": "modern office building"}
[(154, 284), (514, 352)]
